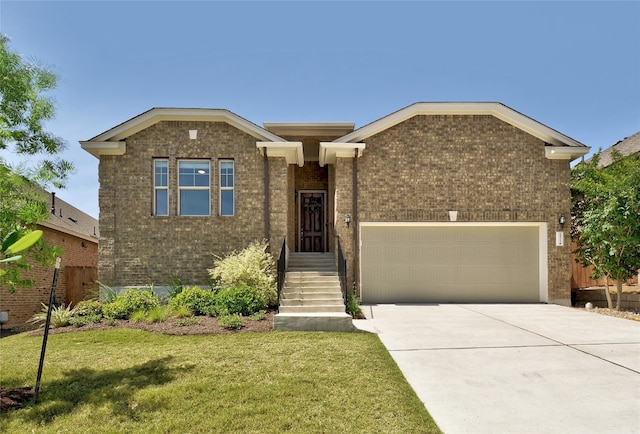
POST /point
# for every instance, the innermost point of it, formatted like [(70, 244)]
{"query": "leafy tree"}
[(24, 110), (606, 218)]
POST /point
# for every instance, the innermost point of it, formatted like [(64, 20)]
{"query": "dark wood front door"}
[(312, 222)]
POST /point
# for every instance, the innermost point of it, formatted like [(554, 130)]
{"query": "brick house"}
[(437, 202), (77, 233)]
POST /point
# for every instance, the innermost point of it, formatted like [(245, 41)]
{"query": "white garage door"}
[(451, 263)]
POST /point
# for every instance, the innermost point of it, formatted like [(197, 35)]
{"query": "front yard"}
[(124, 380)]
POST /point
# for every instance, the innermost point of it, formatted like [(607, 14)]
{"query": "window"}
[(226, 188), (161, 187), (193, 185)]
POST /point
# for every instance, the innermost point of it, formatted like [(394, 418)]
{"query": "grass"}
[(124, 380)]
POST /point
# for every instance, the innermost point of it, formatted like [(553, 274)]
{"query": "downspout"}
[(267, 222), (356, 226)]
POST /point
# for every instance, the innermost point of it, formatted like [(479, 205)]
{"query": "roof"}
[(112, 141), (68, 219), (627, 146), (500, 111)]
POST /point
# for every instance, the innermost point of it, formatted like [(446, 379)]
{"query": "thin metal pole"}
[(46, 329)]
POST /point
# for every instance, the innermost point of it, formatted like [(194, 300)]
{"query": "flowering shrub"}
[(253, 267)]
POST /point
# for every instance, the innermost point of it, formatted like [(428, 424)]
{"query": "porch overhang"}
[(329, 151), (291, 151), (564, 152)]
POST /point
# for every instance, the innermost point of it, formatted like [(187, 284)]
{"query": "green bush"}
[(233, 322), (157, 314), (89, 308), (79, 321), (353, 307), (181, 311), (138, 316), (252, 266), (242, 300), (258, 316), (188, 321), (60, 316), (129, 301), (197, 300)]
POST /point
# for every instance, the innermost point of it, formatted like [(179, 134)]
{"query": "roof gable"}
[(500, 111), (111, 142)]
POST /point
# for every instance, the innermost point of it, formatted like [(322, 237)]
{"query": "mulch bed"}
[(11, 399)]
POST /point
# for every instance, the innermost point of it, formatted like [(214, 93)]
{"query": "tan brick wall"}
[(480, 166), (137, 248), (278, 196), (343, 202), (25, 302)]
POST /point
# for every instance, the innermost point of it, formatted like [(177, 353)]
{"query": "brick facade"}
[(138, 248), (413, 171), (25, 302), (482, 167)]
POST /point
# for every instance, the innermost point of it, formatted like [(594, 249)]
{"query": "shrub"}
[(258, 316), (233, 322), (175, 287), (181, 311), (157, 314), (242, 300), (138, 316), (252, 266), (106, 293), (197, 300), (129, 301), (79, 321), (188, 321), (89, 308), (353, 307), (60, 316)]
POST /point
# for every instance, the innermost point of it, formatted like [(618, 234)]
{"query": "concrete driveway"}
[(516, 368)]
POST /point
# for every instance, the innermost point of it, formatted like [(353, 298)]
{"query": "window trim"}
[(193, 188), (162, 187), (232, 188)]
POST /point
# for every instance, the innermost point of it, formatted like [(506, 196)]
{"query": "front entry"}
[(312, 217)]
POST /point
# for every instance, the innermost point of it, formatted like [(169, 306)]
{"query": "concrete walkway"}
[(516, 368)]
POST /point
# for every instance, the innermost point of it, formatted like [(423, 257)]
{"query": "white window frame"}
[(227, 188), (199, 188), (161, 187)]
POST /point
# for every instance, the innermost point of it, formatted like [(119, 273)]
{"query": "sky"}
[(573, 66)]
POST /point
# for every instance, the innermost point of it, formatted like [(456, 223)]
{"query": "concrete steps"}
[(311, 298)]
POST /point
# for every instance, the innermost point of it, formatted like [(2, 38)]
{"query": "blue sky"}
[(573, 66)]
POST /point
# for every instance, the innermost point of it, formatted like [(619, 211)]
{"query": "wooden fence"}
[(581, 276)]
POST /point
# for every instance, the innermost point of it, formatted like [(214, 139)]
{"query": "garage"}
[(453, 262)]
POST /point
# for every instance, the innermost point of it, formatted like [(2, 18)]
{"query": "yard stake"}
[(46, 329)]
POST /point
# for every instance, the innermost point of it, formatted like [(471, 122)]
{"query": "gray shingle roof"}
[(626, 147), (69, 219)]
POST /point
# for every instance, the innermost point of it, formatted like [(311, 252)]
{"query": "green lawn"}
[(125, 380)]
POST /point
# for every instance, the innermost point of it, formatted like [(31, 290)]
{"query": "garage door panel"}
[(449, 264)]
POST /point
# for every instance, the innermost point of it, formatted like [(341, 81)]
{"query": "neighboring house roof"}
[(559, 144), (627, 146), (111, 142), (70, 220)]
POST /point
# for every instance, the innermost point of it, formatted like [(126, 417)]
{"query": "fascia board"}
[(329, 151), (565, 152), (77, 234), (500, 111), (291, 151), (97, 149), (156, 115)]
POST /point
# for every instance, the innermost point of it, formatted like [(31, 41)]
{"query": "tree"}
[(24, 110), (606, 218)]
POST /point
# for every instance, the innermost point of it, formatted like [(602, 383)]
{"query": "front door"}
[(312, 218)]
